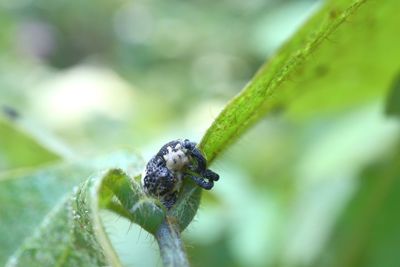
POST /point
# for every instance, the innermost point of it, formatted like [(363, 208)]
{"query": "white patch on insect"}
[(178, 183), (176, 158)]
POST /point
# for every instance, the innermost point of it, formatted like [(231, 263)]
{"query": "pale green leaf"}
[(26, 197), (73, 234)]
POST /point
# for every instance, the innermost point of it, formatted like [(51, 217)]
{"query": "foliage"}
[(313, 70), (323, 68)]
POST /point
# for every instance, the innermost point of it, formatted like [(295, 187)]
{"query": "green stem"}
[(168, 237)]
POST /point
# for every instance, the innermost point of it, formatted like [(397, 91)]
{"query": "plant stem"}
[(168, 237)]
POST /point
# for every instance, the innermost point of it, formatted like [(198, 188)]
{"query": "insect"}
[(163, 175)]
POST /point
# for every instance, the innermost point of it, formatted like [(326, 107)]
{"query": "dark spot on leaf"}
[(393, 99), (333, 13), (277, 109), (10, 112), (321, 70)]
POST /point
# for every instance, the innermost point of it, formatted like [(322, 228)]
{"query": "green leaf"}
[(119, 193), (18, 150), (367, 233), (347, 53), (73, 234), (186, 207), (66, 237), (25, 198)]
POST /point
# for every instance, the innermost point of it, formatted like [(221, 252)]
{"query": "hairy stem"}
[(168, 237)]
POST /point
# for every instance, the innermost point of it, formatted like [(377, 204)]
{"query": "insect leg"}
[(201, 182), (210, 175), (196, 154), (200, 160)]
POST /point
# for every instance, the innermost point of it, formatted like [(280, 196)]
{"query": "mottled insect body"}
[(163, 175)]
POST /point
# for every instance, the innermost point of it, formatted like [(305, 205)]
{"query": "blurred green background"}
[(89, 77)]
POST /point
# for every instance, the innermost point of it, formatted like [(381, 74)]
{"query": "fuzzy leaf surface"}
[(73, 233)]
